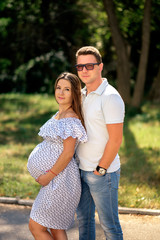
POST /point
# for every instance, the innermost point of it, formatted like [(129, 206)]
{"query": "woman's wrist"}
[(52, 172), (50, 175)]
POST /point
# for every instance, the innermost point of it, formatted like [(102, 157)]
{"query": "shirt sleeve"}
[(113, 109), (64, 128)]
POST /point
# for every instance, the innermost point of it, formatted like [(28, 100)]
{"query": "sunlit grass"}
[(140, 159), (21, 116)]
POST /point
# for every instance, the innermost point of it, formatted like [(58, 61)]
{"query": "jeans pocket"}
[(98, 176), (115, 176)]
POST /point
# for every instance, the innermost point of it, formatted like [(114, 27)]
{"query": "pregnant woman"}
[(53, 165)]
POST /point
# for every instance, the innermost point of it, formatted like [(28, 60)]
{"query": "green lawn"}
[(140, 158), (21, 116)]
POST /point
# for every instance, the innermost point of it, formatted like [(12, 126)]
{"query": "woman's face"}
[(63, 92)]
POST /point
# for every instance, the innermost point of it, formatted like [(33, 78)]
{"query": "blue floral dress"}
[(56, 203)]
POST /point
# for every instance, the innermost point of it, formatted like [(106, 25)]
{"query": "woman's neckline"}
[(62, 118)]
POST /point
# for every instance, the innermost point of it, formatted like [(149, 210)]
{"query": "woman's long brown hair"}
[(76, 92)]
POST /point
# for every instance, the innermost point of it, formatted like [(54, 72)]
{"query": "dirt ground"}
[(14, 225)]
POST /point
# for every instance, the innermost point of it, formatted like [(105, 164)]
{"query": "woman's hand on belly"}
[(45, 179)]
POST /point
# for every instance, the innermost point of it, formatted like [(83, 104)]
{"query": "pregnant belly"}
[(41, 159)]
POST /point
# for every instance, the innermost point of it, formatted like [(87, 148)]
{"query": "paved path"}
[(14, 225)]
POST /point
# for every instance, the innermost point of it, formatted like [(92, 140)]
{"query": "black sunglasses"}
[(88, 66)]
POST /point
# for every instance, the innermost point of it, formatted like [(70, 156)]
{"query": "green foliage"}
[(96, 21), (4, 64), (4, 22), (33, 30), (30, 30), (29, 77)]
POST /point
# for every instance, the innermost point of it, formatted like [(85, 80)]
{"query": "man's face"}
[(89, 76)]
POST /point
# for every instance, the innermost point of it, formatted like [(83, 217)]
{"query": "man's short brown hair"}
[(89, 50)]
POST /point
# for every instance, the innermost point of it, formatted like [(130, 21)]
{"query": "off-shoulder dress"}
[(56, 203)]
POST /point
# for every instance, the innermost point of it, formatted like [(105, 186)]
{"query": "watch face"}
[(102, 171)]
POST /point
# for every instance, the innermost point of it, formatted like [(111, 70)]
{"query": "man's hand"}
[(97, 173)]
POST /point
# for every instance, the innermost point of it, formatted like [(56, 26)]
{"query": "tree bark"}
[(155, 90), (123, 64), (142, 68)]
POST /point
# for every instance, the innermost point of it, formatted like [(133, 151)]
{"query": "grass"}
[(140, 159), (20, 118)]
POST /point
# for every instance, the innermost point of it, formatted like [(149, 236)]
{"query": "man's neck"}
[(93, 86)]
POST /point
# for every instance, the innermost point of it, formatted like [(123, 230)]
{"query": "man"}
[(103, 110)]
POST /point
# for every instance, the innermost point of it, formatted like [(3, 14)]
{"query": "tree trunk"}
[(141, 76), (155, 90), (123, 64)]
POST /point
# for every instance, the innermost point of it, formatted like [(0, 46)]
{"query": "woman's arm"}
[(61, 163)]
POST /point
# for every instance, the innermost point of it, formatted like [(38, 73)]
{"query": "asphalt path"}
[(14, 225)]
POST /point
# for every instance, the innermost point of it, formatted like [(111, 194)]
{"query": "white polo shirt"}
[(100, 107)]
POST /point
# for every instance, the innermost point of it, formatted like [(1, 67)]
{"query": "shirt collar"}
[(99, 90), (84, 91)]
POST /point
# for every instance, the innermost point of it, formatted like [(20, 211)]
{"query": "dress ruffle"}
[(64, 128)]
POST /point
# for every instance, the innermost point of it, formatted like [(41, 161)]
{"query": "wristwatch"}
[(101, 170)]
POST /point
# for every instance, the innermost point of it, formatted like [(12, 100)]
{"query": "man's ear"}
[(101, 66)]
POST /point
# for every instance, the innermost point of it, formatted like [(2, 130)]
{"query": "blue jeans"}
[(100, 192)]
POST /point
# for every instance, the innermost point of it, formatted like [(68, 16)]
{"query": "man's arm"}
[(115, 132)]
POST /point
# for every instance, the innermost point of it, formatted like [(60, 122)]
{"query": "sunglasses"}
[(88, 66)]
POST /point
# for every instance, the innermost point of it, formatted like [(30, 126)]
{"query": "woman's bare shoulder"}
[(71, 114)]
